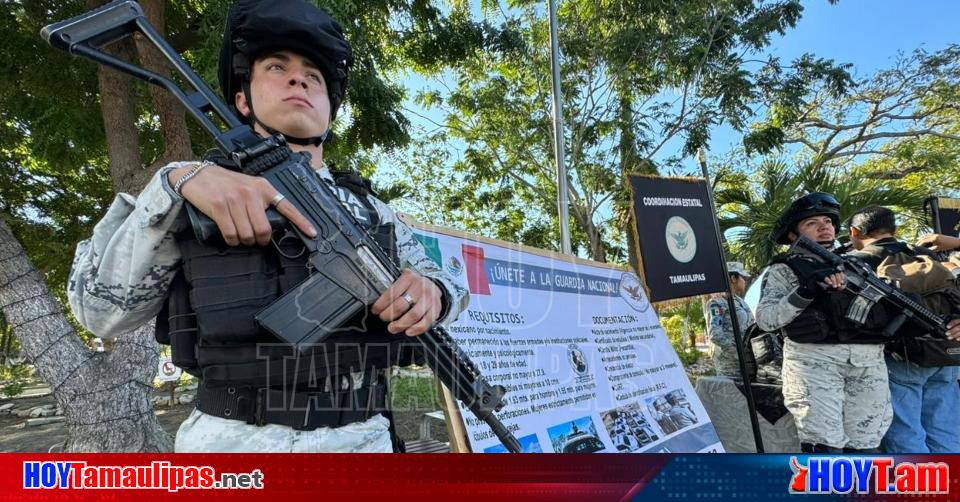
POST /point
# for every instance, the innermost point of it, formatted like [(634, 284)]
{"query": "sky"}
[(869, 34), (866, 33)]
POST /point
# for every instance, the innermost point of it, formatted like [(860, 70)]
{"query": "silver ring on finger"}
[(409, 299), (277, 199)]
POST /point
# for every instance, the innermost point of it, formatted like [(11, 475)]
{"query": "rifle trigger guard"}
[(288, 235)]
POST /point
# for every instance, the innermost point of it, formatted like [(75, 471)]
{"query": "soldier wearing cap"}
[(716, 312), (834, 376)]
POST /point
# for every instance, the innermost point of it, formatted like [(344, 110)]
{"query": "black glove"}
[(811, 286)]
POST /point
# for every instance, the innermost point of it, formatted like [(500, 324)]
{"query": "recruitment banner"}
[(587, 366), (944, 215), (676, 236)]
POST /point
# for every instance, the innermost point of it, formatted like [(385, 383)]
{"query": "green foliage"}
[(639, 80), (644, 84), (891, 139), (14, 379), (55, 179), (839, 121), (750, 204), (673, 319), (414, 394), (52, 174), (689, 356), (928, 164)]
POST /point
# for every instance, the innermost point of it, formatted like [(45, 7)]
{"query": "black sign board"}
[(944, 215), (677, 238)]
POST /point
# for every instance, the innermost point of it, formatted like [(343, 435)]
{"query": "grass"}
[(414, 394)]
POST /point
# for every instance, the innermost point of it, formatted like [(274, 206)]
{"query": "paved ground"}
[(16, 436)]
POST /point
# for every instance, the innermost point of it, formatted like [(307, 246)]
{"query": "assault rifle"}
[(870, 289), (350, 270)]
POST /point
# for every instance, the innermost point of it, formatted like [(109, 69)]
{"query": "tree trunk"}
[(8, 349), (105, 396), (118, 104), (595, 242), (176, 137), (630, 162), (5, 338), (597, 251), (633, 254), (629, 156)]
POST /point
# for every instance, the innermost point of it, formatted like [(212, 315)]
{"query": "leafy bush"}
[(14, 378), (414, 394), (672, 321), (689, 357)]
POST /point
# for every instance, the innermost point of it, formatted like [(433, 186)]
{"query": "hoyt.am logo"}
[(879, 475)]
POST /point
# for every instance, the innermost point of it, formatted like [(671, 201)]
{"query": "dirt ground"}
[(16, 436)]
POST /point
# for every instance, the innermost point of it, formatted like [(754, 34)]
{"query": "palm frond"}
[(748, 212)]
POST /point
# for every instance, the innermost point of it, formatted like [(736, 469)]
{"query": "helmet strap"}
[(312, 141)]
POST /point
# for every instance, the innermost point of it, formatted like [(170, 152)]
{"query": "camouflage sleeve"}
[(719, 328), (779, 302), (120, 276), (744, 313), (413, 256)]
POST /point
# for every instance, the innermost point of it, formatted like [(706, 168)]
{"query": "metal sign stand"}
[(731, 307)]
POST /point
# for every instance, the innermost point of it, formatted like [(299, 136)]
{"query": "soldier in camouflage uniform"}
[(122, 277), (723, 347), (834, 376)]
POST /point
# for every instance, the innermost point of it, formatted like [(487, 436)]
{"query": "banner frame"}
[(456, 429)]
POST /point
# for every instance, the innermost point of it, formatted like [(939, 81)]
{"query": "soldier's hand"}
[(836, 282), (237, 203), (813, 285), (939, 242), (411, 305), (953, 330)]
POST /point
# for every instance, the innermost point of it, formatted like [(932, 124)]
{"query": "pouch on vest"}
[(383, 233), (177, 327), (926, 352), (924, 276), (229, 285), (825, 319), (937, 287), (763, 355)]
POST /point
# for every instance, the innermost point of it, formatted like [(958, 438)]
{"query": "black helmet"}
[(257, 26), (812, 204)]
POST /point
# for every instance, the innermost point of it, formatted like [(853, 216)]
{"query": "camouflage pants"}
[(725, 361), (203, 433), (837, 393)]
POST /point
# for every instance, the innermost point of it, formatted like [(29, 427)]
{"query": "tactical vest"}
[(937, 289), (824, 321), (874, 254), (209, 316)]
